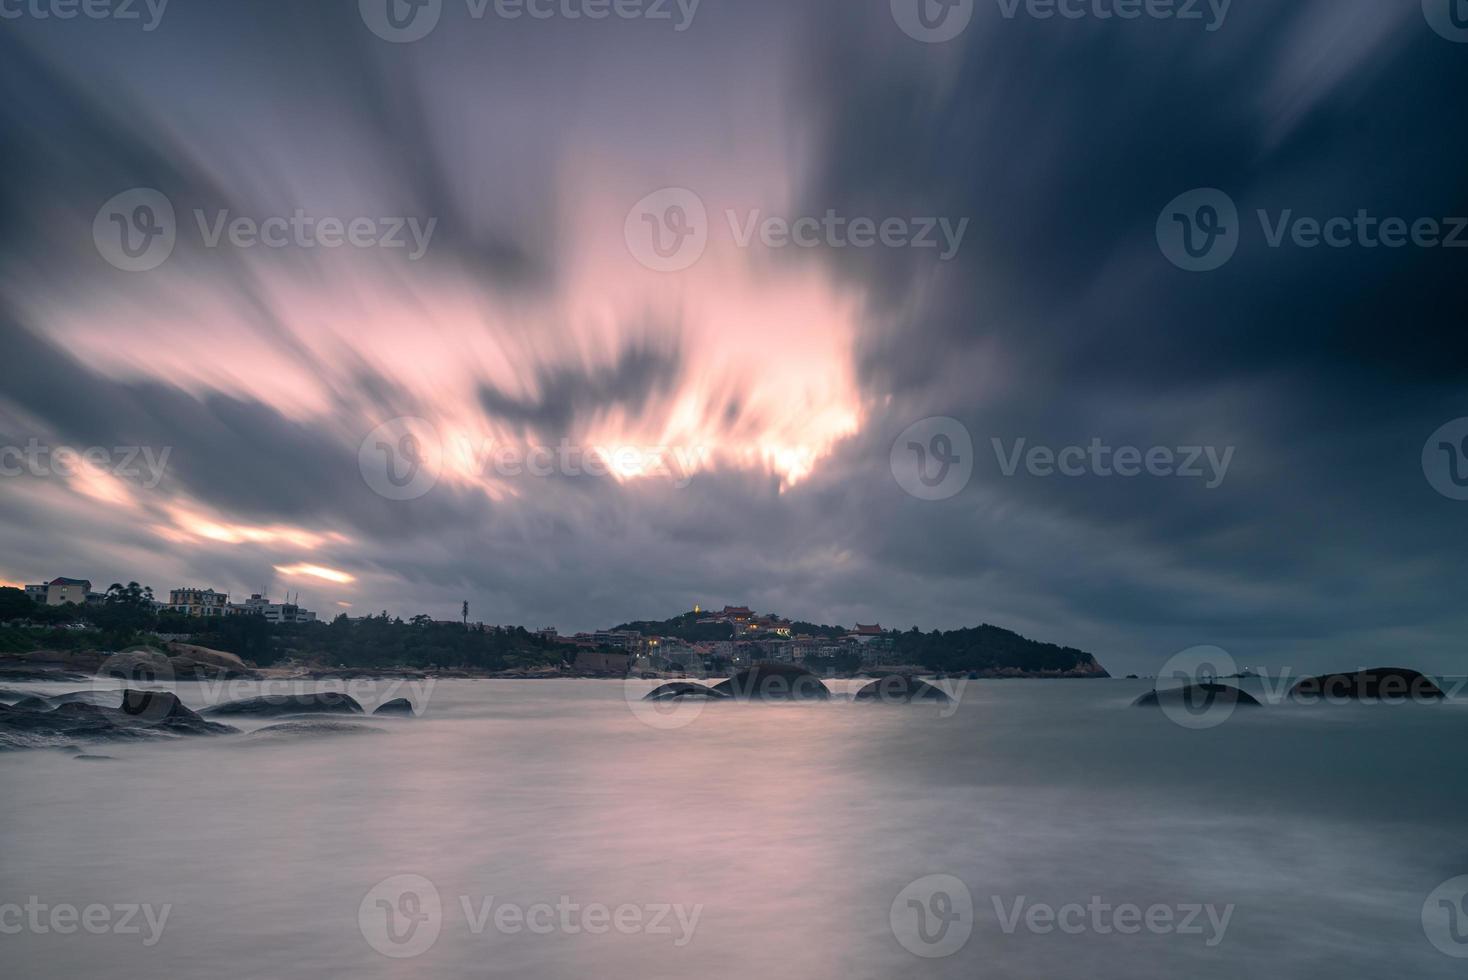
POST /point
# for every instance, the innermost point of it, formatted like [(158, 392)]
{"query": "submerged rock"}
[(1376, 684), (1197, 696), (310, 729), (102, 699), (397, 706), (774, 682), (685, 690), (83, 757), (275, 705), (901, 689)]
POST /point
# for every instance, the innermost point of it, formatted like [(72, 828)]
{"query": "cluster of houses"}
[(188, 601), (755, 639)]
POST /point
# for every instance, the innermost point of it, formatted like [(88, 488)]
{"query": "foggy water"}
[(790, 830)]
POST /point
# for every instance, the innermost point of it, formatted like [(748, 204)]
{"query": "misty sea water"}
[(787, 836)]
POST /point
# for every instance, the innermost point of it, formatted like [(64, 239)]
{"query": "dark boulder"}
[(397, 706), (275, 705), (142, 715), (1197, 697), (901, 689), (685, 690), (1376, 684), (774, 682)]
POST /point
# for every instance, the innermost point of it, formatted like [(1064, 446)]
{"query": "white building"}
[(274, 612)]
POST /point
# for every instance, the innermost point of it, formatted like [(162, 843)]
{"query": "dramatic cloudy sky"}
[(783, 375)]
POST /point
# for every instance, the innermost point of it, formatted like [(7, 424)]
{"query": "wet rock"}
[(102, 699), (141, 715), (1198, 697), (1391, 684), (901, 689), (275, 705), (774, 682), (92, 758), (310, 729), (685, 690), (397, 706)]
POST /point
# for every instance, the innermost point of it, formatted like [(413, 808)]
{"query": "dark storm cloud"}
[(1063, 321), (564, 395)]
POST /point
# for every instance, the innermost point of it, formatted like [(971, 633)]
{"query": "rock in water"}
[(397, 706), (1198, 697), (275, 705), (309, 729), (685, 690), (102, 699), (901, 689), (1376, 684), (143, 714), (774, 682)]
